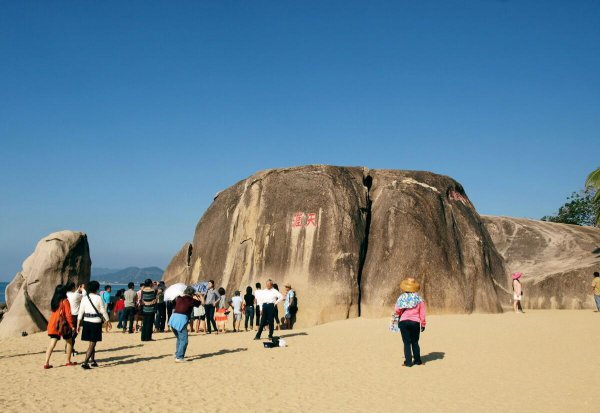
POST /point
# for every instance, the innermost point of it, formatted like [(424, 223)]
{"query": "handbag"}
[(64, 328), (395, 323)]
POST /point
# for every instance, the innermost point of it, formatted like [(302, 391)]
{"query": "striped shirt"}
[(148, 295)]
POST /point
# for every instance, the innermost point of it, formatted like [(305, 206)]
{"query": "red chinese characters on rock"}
[(302, 220)]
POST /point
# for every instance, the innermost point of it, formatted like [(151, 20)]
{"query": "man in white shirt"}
[(74, 295), (267, 299)]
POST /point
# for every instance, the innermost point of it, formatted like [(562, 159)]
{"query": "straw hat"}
[(410, 285), (288, 286)]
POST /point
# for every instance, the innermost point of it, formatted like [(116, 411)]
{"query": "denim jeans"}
[(249, 317), (182, 342), (597, 299), (121, 318)]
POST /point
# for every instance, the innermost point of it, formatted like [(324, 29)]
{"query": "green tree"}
[(593, 182), (578, 210)]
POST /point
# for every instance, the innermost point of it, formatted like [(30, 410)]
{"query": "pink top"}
[(413, 314)]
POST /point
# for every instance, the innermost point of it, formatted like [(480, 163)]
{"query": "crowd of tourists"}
[(81, 311)]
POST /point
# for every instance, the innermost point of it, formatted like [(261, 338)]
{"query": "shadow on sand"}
[(122, 360), (435, 355), (104, 350), (292, 335), (216, 353)]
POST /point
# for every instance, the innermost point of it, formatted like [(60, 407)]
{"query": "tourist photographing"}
[(92, 313), (180, 318), (211, 301), (517, 292), (130, 298), (596, 289), (148, 309), (249, 303), (410, 307), (60, 324), (267, 299)]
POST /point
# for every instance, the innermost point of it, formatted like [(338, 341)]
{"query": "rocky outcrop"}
[(344, 238), (179, 268), (424, 226), (57, 258), (557, 260)]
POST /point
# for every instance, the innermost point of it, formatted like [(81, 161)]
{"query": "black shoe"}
[(86, 366), (418, 363), (257, 338), (405, 364), (94, 364)]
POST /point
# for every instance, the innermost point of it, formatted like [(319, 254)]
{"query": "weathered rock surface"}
[(557, 260), (57, 258), (424, 226), (344, 238), (179, 268)]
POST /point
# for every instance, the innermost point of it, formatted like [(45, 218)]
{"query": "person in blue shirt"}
[(105, 295)]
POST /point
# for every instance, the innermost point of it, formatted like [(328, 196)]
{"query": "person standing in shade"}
[(596, 290), (60, 309), (105, 295), (517, 292), (180, 319), (249, 302), (148, 309), (74, 295), (211, 300), (410, 307), (161, 308), (258, 305), (91, 315), (269, 298), (130, 297), (290, 307)]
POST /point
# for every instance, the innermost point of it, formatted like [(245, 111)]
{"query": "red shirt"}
[(119, 305), (185, 304)]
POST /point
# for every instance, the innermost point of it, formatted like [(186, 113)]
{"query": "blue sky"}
[(123, 119)]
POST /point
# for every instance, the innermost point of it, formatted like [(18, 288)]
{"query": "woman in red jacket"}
[(60, 309)]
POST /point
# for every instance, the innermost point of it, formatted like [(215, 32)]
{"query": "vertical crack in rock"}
[(367, 182)]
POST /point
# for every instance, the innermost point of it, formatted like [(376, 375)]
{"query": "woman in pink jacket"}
[(410, 307)]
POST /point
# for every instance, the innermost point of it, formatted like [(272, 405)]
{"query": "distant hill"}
[(134, 274)]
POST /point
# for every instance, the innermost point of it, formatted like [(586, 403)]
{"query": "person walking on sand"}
[(268, 298), (60, 324), (236, 304), (130, 297), (74, 295), (210, 301), (410, 308), (596, 289), (91, 315), (517, 292), (248, 308), (180, 318), (148, 310)]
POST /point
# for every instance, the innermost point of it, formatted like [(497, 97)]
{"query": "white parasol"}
[(174, 291)]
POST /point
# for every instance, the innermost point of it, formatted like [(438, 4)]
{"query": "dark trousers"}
[(410, 331), (129, 316), (147, 325), (74, 319), (267, 317), (257, 313), (161, 316), (209, 309), (249, 319), (170, 308)]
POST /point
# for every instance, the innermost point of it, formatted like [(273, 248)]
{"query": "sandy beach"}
[(542, 361)]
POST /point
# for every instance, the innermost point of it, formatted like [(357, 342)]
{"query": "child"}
[(236, 304), (119, 310)]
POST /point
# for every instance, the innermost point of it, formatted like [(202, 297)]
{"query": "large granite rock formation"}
[(424, 226), (557, 260), (57, 258), (344, 238)]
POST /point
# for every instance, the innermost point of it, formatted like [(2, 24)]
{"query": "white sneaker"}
[(179, 360)]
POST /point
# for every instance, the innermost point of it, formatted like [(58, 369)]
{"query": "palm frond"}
[(593, 179)]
